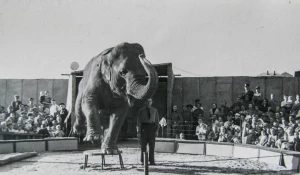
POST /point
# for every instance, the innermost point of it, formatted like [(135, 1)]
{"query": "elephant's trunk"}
[(140, 91)]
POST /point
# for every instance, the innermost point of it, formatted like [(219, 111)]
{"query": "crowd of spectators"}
[(252, 119), (46, 118)]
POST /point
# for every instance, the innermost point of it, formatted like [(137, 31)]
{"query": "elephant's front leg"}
[(90, 110), (117, 118)]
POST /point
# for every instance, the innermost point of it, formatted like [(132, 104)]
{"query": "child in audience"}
[(201, 130), (214, 134), (4, 127), (222, 135), (59, 132), (272, 138)]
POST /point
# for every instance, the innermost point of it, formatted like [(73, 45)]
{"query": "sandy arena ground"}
[(66, 163)]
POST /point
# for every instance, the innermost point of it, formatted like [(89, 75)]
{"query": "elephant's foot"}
[(111, 150), (78, 127), (91, 135)]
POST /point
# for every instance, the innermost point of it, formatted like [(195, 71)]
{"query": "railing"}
[(19, 136)]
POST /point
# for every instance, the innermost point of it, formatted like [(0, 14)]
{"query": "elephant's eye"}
[(123, 72)]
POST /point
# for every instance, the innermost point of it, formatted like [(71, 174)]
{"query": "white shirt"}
[(54, 109)]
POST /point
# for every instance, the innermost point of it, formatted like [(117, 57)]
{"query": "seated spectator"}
[(214, 134), (31, 103), (20, 129), (59, 120), (237, 119), (237, 134), (224, 110), (263, 140), (15, 104), (59, 132), (250, 110), (3, 127), (2, 117), (257, 110), (213, 113), (243, 110), (248, 135), (222, 135), (282, 138), (182, 136), (21, 109), (229, 123), (201, 130), (273, 137), (43, 131), (28, 127), (264, 106)]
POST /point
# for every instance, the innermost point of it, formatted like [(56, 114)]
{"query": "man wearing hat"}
[(15, 104), (248, 92)]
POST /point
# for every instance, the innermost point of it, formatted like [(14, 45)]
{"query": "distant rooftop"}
[(275, 74)]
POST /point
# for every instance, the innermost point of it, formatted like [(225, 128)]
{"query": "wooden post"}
[(146, 168)]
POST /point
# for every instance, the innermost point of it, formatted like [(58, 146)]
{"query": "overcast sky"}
[(40, 39)]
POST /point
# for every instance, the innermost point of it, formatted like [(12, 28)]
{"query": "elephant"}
[(112, 82)]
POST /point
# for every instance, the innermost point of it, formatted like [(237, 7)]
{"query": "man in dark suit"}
[(15, 104), (147, 129), (248, 92)]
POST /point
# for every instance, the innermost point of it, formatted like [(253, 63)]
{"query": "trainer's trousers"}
[(148, 137)]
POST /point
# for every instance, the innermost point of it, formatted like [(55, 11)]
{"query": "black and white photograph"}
[(139, 87)]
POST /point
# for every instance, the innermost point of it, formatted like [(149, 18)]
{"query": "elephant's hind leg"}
[(79, 125)]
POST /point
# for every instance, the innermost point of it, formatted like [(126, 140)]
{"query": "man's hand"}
[(156, 133)]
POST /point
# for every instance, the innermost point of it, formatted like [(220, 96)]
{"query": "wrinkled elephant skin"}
[(111, 83)]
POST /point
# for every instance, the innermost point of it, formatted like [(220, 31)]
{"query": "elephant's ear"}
[(107, 64)]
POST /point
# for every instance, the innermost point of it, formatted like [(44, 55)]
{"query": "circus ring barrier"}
[(236, 151), (39, 145)]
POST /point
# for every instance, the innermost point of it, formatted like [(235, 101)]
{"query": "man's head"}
[(285, 97), (198, 105), (53, 102), (200, 121), (10, 109), (250, 106), (149, 102), (58, 127), (292, 119), (17, 97), (246, 87), (272, 96), (257, 89), (223, 103), (46, 93), (30, 100), (62, 106), (175, 108), (197, 101)]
